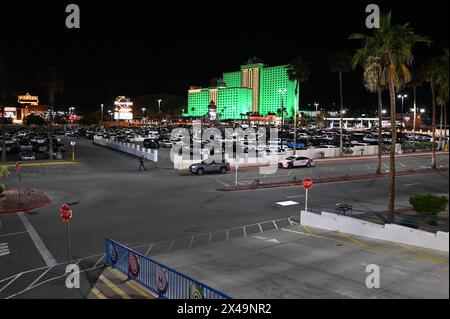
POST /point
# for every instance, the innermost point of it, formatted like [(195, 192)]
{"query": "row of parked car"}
[(27, 143)]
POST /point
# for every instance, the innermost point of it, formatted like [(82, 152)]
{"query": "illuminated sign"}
[(28, 99)]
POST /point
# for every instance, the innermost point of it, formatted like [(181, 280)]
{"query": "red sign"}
[(66, 213), (17, 167), (307, 183)]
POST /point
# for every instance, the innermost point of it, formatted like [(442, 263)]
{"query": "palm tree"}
[(298, 71), (431, 72), (443, 88), (416, 81), (340, 63), (52, 82), (374, 82), (393, 44)]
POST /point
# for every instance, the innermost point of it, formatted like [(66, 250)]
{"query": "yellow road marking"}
[(308, 230), (379, 249), (97, 293), (422, 254), (353, 240), (131, 284), (42, 164), (114, 288)]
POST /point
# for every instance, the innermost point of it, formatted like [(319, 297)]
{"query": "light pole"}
[(159, 112), (101, 107), (402, 96), (110, 115), (143, 113)]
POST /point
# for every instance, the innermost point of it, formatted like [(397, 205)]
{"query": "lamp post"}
[(101, 107), (143, 113), (159, 112), (402, 96)]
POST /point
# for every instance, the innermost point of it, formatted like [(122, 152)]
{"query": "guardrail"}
[(162, 280), (129, 148)]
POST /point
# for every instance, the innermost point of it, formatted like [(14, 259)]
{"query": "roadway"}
[(161, 204)]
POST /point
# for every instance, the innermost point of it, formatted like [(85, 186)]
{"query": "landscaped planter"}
[(29, 200)]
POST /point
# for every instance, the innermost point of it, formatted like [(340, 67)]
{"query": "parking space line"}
[(149, 249), (401, 164), (99, 260), (97, 293), (13, 234), (114, 288), (45, 253)]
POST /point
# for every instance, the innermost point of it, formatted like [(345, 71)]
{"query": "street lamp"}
[(143, 113), (101, 106), (422, 111), (384, 111), (402, 96)]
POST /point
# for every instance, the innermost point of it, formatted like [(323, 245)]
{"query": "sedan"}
[(293, 161)]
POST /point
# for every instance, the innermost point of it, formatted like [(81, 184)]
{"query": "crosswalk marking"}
[(4, 249)]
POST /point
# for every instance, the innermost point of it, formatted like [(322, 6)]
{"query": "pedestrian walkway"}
[(112, 284)]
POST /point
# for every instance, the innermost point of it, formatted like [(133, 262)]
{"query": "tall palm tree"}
[(298, 71), (375, 82), (443, 88), (393, 44), (432, 71), (416, 81), (52, 81), (340, 63)]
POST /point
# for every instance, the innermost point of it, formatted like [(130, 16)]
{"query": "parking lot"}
[(163, 204)]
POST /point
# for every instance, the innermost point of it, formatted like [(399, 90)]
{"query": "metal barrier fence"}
[(164, 281)]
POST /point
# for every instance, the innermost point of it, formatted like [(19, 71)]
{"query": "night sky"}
[(137, 48)]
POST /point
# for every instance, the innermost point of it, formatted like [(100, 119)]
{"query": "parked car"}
[(209, 167), (27, 155), (150, 143), (293, 161), (165, 143), (25, 145)]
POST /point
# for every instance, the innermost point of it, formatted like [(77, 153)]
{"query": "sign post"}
[(66, 215), (19, 176), (307, 184)]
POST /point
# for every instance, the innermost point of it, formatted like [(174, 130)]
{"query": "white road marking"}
[(368, 167), (223, 183), (9, 283), (37, 279), (271, 240), (45, 253), (412, 184), (387, 167), (12, 234), (401, 164), (296, 196), (148, 250), (287, 203), (290, 171), (100, 259), (4, 249)]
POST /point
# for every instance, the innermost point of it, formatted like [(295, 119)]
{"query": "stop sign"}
[(307, 183), (66, 213)]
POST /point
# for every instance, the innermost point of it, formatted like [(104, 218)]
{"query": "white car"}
[(293, 161)]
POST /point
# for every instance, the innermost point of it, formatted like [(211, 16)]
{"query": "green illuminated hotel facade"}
[(256, 89)]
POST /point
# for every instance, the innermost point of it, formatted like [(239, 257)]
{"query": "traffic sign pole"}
[(68, 243), (307, 184), (306, 201)]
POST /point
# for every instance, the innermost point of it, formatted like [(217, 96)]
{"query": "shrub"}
[(429, 205), (4, 172), (2, 188), (409, 223)]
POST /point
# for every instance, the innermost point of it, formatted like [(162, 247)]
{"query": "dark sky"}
[(137, 47)]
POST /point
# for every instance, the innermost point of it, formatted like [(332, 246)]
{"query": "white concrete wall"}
[(129, 148), (388, 232)]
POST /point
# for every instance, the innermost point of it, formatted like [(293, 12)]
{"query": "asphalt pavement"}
[(162, 204)]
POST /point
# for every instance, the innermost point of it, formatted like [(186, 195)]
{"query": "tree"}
[(416, 81), (393, 45), (52, 81), (298, 71), (8, 95), (442, 87), (431, 73), (340, 63), (89, 119), (34, 119), (60, 119), (374, 81)]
